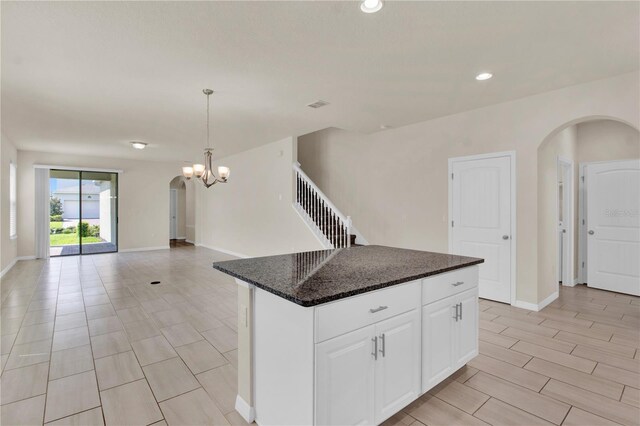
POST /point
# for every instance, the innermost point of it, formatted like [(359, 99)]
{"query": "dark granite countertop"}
[(316, 277)]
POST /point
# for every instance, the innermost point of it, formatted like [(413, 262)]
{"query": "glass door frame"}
[(117, 208)]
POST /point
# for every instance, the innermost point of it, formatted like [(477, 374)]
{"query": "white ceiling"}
[(87, 77)]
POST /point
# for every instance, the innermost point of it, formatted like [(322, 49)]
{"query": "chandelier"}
[(204, 171)]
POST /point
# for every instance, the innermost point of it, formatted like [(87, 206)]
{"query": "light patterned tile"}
[(116, 370), (70, 361), (193, 408), (181, 334), (71, 395), (130, 404), (23, 383), (201, 356), (91, 417), (110, 344), (170, 378), (26, 412), (153, 349)]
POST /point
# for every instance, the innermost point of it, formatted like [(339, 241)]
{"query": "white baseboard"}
[(9, 266), (189, 241), (13, 263), (536, 306), (181, 238), (247, 412), (144, 249), (222, 250)]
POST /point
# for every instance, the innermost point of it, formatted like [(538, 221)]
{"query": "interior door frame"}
[(514, 241), (568, 255), (583, 258), (173, 202)]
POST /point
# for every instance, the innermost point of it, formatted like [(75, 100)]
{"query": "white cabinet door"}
[(345, 379), (438, 320), (466, 335), (613, 240), (397, 377)]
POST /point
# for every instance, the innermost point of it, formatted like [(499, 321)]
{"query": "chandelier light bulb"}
[(187, 172), (198, 170), (224, 172)]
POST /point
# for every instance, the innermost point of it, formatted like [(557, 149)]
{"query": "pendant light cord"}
[(208, 145)]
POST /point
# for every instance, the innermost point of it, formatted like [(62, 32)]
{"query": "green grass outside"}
[(55, 225), (70, 239)]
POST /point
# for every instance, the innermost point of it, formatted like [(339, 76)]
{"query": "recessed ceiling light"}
[(484, 76), (371, 6), (138, 145)]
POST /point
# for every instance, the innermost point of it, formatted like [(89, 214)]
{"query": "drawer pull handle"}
[(456, 315), (378, 309), (382, 351), (457, 283), (375, 348), (460, 311)]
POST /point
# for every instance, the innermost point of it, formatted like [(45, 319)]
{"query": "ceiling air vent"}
[(318, 104)]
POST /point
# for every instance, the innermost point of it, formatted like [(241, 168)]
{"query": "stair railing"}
[(311, 202)]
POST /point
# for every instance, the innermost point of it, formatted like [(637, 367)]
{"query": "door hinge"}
[(582, 177), (452, 224), (583, 264), (451, 176), (583, 221)]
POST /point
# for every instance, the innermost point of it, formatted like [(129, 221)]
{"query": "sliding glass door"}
[(83, 212)]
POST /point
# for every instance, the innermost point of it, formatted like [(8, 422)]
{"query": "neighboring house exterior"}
[(70, 199)]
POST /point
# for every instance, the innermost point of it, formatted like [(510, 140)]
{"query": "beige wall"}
[(9, 247), (253, 214), (143, 201), (563, 144), (190, 201), (607, 140), (394, 183)]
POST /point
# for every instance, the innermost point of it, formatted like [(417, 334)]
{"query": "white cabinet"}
[(449, 336), (345, 379), (437, 342), (368, 375), (397, 370)]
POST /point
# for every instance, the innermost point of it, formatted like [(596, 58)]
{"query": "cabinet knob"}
[(505, 237), (591, 232)]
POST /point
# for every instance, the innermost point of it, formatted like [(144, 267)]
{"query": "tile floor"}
[(87, 340)]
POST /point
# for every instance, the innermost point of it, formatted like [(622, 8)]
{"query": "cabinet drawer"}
[(359, 311), (447, 284)]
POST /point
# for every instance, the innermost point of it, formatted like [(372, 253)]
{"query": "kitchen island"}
[(349, 336)]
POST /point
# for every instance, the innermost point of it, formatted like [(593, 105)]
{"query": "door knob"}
[(591, 232), (505, 237)]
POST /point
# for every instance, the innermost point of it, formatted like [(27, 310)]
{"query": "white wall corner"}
[(536, 306)]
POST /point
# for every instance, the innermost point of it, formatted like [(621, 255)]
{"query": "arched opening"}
[(181, 213), (563, 157)]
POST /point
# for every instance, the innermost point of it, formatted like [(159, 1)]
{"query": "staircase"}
[(327, 222)]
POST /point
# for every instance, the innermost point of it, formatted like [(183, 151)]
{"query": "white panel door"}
[(466, 340), (397, 378), (345, 379), (481, 213), (173, 212), (613, 223), (437, 341)]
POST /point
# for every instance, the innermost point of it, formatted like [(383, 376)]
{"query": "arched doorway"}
[(563, 158), (181, 213)]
